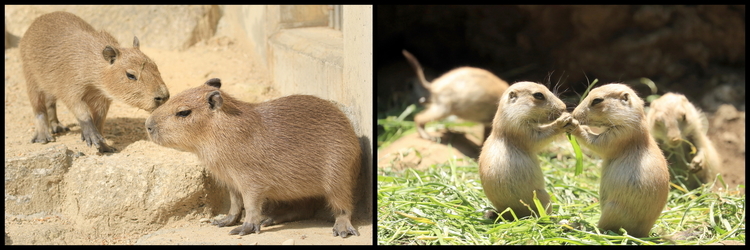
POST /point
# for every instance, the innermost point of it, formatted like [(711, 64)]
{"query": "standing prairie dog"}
[(65, 58), (674, 121), (635, 179), (288, 149), (528, 117), (466, 92)]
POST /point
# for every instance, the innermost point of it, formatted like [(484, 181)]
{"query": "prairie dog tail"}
[(417, 68)]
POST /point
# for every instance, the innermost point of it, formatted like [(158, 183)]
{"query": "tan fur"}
[(674, 120), (468, 93), (65, 59), (508, 165), (287, 149), (635, 179)]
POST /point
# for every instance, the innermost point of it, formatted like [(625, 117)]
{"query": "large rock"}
[(168, 27), (126, 192), (33, 183)]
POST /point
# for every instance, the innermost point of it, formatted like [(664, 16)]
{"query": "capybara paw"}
[(104, 148), (344, 229), (56, 129), (267, 222), (226, 221), (246, 228), (42, 138)]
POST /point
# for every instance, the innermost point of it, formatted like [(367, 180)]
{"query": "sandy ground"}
[(219, 57)]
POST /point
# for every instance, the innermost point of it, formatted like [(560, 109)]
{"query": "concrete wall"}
[(304, 56)]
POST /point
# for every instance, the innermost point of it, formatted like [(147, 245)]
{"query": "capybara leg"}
[(433, 113), (42, 134), (342, 206), (343, 226), (52, 116), (253, 217), (100, 108), (89, 133), (234, 210)]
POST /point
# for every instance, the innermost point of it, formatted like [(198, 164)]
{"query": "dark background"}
[(694, 50)]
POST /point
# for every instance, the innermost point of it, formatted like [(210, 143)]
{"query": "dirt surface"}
[(219, 57)]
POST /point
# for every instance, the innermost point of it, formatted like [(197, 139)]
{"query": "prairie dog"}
[(635, 180), (466, 92), (65, 59), (528, 117), (674, 120), (288, 149)]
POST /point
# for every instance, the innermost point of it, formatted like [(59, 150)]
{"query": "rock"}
[(118, 192), (288, 242), (33, 182), (185, 24)]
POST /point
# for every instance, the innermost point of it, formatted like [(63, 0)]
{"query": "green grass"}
[(444, 204)]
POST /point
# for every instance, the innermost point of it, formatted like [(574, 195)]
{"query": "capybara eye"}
[(539, 96), (183, 113), (596, 101), (131, 76)]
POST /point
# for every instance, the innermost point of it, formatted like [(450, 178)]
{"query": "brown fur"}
[(65, 59), (468, 93), (674, 120), (635, 179), (287, 149), (508, 165)]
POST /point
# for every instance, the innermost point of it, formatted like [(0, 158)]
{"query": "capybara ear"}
[(215, 100), (214, 82), (110, 54), (135, 42)]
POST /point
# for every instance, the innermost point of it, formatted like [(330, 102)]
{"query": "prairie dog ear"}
[(135, 42), (215, 100), (512, 96), (625, 97)]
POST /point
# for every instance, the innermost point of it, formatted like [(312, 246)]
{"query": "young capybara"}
[(65, 59), (287, 149)]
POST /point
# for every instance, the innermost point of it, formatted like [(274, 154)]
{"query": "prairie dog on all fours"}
[(466, 92), (288, 149), (673, 120), (634, 180), (65, 59), (528, 118)]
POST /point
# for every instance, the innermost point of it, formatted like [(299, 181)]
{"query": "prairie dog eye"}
[(596, 101), (539, 96)]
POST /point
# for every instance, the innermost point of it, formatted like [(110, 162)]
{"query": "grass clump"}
[(444, 205)]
